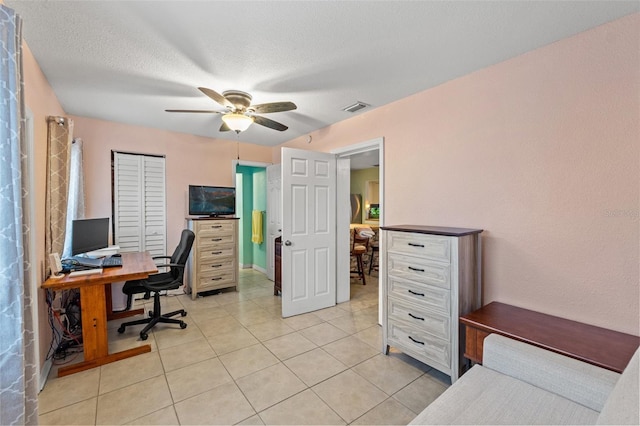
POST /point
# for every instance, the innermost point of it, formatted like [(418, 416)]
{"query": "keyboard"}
[(84, 261), (80, 262), (110, 262)]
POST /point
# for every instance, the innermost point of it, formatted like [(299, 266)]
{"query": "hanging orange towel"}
[(256, 227)]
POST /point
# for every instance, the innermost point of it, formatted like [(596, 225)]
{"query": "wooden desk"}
[(93, 305), (598, 346)]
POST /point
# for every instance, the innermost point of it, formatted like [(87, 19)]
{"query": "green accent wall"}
[(251, 187)]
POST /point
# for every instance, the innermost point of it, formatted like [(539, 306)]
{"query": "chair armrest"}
[(578, 381), (172, 265), (161, 257)]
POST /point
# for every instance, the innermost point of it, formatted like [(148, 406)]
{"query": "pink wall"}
[(42, 102), (541, 151), (189, 160)]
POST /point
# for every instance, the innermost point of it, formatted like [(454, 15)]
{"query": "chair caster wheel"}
[(144, 336), (121, 329), (150, 313), (183, 325), (183, 314)]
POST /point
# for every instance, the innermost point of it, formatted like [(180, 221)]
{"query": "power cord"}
[(65, 324)]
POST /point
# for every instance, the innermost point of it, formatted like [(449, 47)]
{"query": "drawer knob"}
[(416, 341), (216, 279), (216, 252), (416, 269), (417, 294), (415, 317), (216, 226), (216, 266), (216, 239), (416, 245)]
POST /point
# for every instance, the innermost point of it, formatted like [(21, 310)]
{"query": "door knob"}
[(287, 243)]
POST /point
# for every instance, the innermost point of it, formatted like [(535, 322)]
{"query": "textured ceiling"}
[(129, 61)]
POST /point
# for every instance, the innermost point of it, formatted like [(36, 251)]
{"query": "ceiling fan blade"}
[(217, 97), (269, 123), (193, 110), (224, 127), (273, 107)]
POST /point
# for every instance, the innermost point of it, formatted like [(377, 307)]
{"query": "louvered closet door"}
[(155, 240), (139, 203)]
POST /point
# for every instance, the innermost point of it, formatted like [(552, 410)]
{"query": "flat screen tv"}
[(212, 200)]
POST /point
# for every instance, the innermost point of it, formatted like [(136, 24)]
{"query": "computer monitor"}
[(89, 234)]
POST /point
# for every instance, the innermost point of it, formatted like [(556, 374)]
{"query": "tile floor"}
[(239, 362)]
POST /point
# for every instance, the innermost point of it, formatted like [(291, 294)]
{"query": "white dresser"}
[(213, 263), (432, 276)]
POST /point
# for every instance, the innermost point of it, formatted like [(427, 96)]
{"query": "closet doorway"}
[(139, 202), (250, 181)]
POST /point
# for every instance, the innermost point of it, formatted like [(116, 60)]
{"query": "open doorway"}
[(360, 181), (251, 207)]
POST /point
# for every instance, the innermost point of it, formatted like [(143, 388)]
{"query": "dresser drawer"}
[(427, 246), (216, 265), (215, 240), (214, 227), (213, 280), (419, 270), (216, 252), (426, 320), (431, 350), (437, 299)]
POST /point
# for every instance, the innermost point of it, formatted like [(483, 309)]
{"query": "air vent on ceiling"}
[(355, 107)]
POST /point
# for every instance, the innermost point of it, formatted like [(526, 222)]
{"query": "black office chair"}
[(156, 283)]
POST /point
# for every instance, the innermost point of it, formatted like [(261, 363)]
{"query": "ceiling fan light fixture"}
[(237, 122)]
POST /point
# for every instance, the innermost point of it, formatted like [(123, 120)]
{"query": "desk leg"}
[(94, 333), (94, 324)]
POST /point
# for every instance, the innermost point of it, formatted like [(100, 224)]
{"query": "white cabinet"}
[(432, 277), (213, 263)]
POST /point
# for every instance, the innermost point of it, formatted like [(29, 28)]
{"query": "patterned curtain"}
[(58, 163), (18, 362)]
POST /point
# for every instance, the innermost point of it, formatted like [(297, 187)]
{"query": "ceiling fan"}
[(239, 113)]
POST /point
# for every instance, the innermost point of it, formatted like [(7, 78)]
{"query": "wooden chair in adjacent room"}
[(359, 247)]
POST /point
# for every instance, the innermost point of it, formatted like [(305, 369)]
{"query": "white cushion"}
[(483, 396), (622, 406), (578, 381)]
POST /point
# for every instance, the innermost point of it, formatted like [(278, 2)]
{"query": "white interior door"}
[(308, 231), (274, 215), (155, 232), (128, 199)]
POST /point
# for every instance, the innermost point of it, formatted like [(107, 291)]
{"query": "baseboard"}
[(44, 373), (254, 267), (260, 269)]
